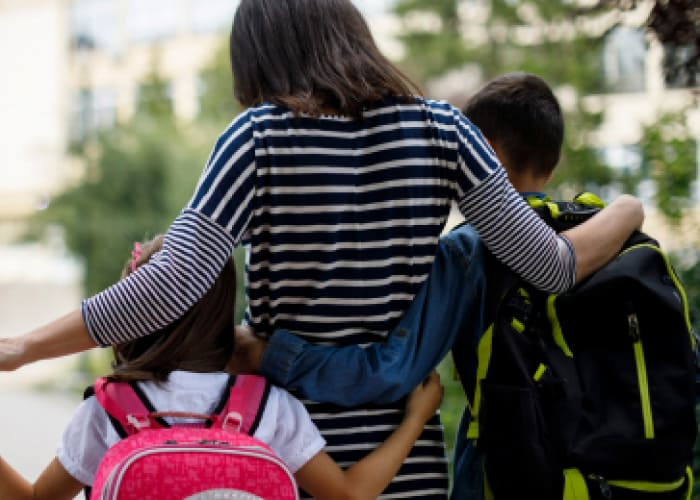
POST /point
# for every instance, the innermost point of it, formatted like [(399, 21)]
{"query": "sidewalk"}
[(32, 424)]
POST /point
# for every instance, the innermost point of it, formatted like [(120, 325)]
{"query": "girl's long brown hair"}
[(311, 56), (201, 341)]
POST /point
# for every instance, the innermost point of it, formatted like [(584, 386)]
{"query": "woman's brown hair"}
[(201, 341), (311, 56)]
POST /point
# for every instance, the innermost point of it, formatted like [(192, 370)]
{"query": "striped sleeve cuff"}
[(517, 236), (194, 251)]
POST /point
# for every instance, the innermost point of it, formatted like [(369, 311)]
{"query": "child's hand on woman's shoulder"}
[(248, 351), (425, 399)]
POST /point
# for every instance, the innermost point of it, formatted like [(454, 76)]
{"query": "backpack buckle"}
[(232, 422), (138, 422)]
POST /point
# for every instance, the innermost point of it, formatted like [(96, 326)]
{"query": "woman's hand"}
[(11, 354), (425, 399)]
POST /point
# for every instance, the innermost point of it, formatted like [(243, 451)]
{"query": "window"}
[(625, 158), (680, 66), (624, 60), (94, 109), (152, 20), (372, 7), (93, 26), (211, 16)]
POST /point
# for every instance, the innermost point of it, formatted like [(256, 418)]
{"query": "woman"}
[(340, 179)]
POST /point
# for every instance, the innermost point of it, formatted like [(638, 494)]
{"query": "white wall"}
[(33, 50)]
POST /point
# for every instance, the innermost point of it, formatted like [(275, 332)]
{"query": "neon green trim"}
[(643, 381), (539, 373), (553, 209), (574, 485), (484, 358), (649, 487), (517, 325), (590, 200), (557, 334), (676, 282), (691, 482), (534, 201), (488, 492), (523, 293)]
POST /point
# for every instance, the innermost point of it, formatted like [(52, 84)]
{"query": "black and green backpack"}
[(588, 394)]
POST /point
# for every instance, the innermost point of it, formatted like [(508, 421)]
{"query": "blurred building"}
[(73, 67), (636, 92)]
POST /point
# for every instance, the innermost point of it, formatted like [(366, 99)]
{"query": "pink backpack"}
[(214, 457)]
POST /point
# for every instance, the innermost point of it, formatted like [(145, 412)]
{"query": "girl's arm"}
[(322, 478), (53, 484)]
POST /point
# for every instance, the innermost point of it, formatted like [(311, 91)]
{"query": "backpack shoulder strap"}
[(242, 403), (126, 405)]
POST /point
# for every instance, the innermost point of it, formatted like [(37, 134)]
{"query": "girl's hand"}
[(248, 351), (11, 354), (425, 399)]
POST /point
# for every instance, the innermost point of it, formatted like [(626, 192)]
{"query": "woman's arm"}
[(196, 246), (517, 236), (322, 477), (53, 484)]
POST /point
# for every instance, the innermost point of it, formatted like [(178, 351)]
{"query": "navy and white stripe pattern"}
[(193, 253), (342, 218)]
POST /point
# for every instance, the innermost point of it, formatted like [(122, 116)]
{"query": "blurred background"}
[(108, 110)]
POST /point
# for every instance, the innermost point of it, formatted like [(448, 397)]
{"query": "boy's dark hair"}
[(311, 56), (200, 341), (519, 114)]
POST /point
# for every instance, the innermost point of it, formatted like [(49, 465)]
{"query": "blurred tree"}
[(676, 23), (563, 43), (500, 36), (138, 176)]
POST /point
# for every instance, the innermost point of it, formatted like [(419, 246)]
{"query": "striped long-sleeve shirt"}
[(342, 217)]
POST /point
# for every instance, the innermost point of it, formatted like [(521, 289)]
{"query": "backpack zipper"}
[(676, 282), (113, 482), (643, 486), (642, 377)]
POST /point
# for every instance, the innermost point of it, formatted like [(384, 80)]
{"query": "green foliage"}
[(217, 105), (572, 60), (125, 195), (670, 160), (453, 403), (137, 176), (565, 57)]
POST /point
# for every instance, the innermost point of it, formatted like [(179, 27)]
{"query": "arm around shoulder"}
[(367, 478), (598, 240), (66, 335)]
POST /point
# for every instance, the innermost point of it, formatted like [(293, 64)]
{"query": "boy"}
[(521, 118)]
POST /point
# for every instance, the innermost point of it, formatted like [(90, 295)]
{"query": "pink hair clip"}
[(135, 254)]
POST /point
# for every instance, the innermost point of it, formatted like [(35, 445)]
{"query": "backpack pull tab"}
[(603, 486), (633, 326), (232, 422), (138, 422)]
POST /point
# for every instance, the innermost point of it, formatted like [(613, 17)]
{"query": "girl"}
[(340, 178), (181, 368)]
